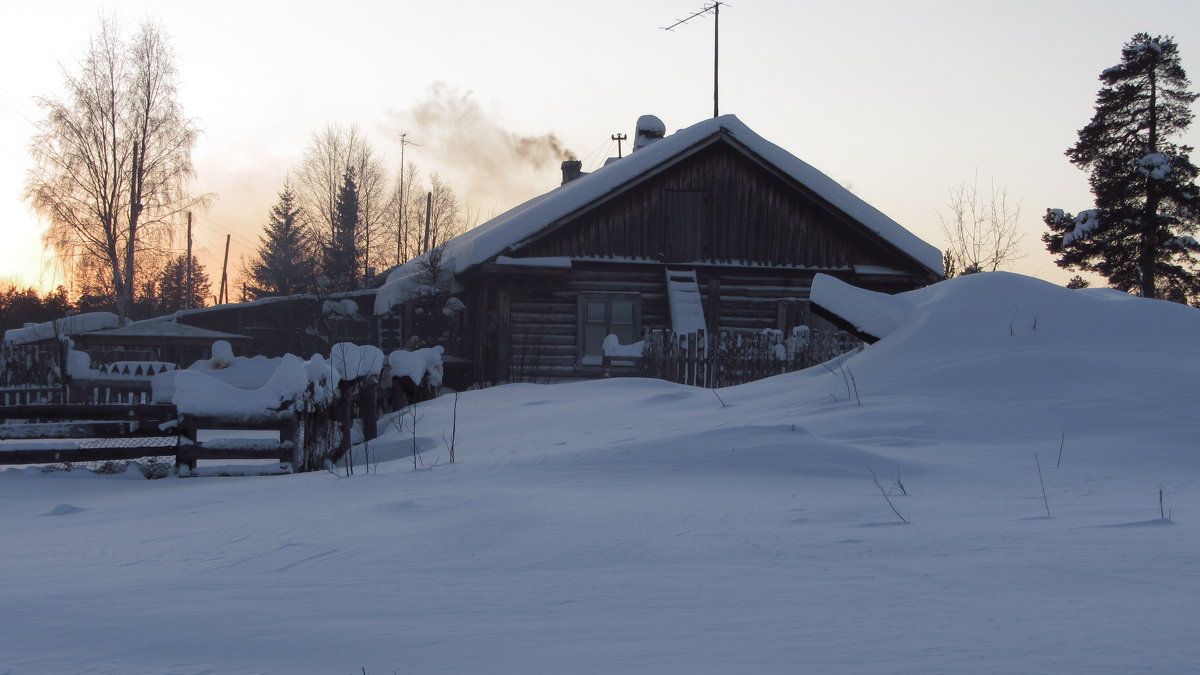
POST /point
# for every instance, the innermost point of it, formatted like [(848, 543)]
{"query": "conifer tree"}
[(173, 294), (1139, 235), (285, 263), (341, 257)]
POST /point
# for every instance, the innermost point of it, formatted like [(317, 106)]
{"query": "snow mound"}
[(1004, 355), (354, 361), (417, 365), (197, 393), (242, 387)]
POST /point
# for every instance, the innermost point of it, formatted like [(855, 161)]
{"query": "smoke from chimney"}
[(489, 166)]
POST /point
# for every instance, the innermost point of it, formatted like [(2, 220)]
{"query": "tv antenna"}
[(714, 9), (402, 226)]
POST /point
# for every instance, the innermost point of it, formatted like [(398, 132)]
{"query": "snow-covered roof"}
[(872, 313), (71, 325), (166, 329), (520, 223)]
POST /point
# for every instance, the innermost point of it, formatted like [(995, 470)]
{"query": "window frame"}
[(581, 322)]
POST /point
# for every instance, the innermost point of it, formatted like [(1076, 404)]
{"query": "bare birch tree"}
[(330, 153), (112, 158), (406, 213), (445, 213), (981, 228)]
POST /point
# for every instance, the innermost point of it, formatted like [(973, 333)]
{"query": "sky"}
[(897, 101)]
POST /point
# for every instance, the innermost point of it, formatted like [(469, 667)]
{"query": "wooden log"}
[(345, 413), (234, 449), (56, 454), (187, 436), (153, 412), (368, 408), (259, 420), (289, 435), (80, 430)]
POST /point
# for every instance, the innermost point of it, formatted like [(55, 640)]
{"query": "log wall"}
[(718, 206)]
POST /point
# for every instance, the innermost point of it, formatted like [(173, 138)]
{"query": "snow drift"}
[(639, 526)]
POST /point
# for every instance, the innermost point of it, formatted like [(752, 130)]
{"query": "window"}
[(601, 315)]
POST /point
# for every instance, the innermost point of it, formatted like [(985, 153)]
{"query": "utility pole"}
[(224, 279), (618, 138), (187, 298), (715, 9), (428, 208)]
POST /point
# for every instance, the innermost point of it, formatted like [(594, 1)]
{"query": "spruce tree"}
[(285, 263), (173, 294), (1139, 235), (341, 255)]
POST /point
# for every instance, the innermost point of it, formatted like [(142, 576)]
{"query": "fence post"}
[(345, 408), (368, 407), (296, 454), (187, 438)]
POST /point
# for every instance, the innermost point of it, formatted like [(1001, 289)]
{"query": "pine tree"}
[(1077, 282), (341, 255), (173, 292), (285, 263), (1139, 233)]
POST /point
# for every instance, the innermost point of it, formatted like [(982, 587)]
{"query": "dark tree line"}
[(164, 291)]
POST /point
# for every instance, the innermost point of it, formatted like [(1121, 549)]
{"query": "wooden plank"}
[(64, 454), (191, 453), (273, 420), (146, 412), (280, 469), (79, 430)]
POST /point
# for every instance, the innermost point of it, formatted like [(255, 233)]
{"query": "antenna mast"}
[(715, 9), (401, 224)]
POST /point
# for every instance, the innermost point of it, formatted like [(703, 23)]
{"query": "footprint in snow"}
[(63, 509)]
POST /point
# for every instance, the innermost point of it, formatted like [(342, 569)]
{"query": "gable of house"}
[(719, 204), (712, 226)]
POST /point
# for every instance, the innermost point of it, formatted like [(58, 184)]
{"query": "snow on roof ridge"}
[(68, 325), (525, 220)]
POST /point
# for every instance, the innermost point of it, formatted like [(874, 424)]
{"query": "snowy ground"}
[(641, 526)]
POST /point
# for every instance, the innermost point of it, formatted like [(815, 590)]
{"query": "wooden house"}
[(711, 227)]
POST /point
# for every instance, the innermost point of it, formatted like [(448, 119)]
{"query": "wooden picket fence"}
[(736, 357)]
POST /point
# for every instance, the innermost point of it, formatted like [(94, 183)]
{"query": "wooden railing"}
[(733, 357)]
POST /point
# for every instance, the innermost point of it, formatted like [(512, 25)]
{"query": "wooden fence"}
[(123, 426), (733, 357)]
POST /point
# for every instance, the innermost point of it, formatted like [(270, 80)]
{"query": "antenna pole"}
[(402, 221), (716, 45), (400, 229), (715, 9)]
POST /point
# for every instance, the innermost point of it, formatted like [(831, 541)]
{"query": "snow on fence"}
[(729, 357), (310, 405), (30, 373)]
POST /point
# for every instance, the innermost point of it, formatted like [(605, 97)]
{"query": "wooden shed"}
[(712, 227)]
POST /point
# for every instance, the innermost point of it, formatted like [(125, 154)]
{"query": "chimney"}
[(571, 169), (649, 129)]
